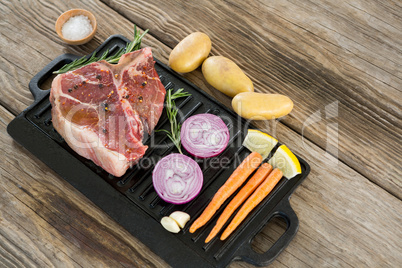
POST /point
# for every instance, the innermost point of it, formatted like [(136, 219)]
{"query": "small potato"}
[(190, 52), (224, 75), (260, 106)]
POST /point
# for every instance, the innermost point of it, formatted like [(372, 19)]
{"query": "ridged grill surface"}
[(136, 184)]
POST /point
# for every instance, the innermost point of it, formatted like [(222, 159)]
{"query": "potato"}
[(224, 75), (260, 106), (190, 52)]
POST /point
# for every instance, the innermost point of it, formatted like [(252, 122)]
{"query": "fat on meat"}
[(102, 110)]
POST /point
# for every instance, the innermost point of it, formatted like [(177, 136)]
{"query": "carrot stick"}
[(241, 196), (249, 164), (260, 193)]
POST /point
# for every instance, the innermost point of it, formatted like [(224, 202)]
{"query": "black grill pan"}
[(131, 199)]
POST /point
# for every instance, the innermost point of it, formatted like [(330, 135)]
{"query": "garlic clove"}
[(180, 217), (170, 224)]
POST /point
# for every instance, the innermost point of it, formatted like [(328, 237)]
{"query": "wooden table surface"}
[(339, 61)]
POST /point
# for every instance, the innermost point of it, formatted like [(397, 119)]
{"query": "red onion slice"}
[(177, 178), (204, 135)]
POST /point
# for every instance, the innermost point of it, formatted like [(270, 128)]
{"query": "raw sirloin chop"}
[(102, 110)]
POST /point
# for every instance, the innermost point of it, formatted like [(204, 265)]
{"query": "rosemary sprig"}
[(171, 111), (130, 47)]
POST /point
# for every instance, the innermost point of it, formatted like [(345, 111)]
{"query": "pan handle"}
[(261, 259), (46, 72)]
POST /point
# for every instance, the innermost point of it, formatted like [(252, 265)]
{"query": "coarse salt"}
[(76, 28)]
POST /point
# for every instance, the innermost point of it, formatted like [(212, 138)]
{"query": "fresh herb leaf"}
[(130, 47), (171, 111)]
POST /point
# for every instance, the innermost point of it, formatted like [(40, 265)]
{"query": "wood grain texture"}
[(45, 222), (344, 57), (345, 220), (28, 42), (300, 58)]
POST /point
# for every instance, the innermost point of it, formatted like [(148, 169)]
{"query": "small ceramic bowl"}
[(72, 13)]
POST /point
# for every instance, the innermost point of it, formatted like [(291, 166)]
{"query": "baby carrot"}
[(249, 164), (260, 193), (241, 196)]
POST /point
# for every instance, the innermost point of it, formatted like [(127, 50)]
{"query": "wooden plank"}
[(275, 61), (321, 54), (46, 222), (344, 220), (342, 215), (24, 52)]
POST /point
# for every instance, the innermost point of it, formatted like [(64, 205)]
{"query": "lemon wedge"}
[(260, 142), (286, 161)]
